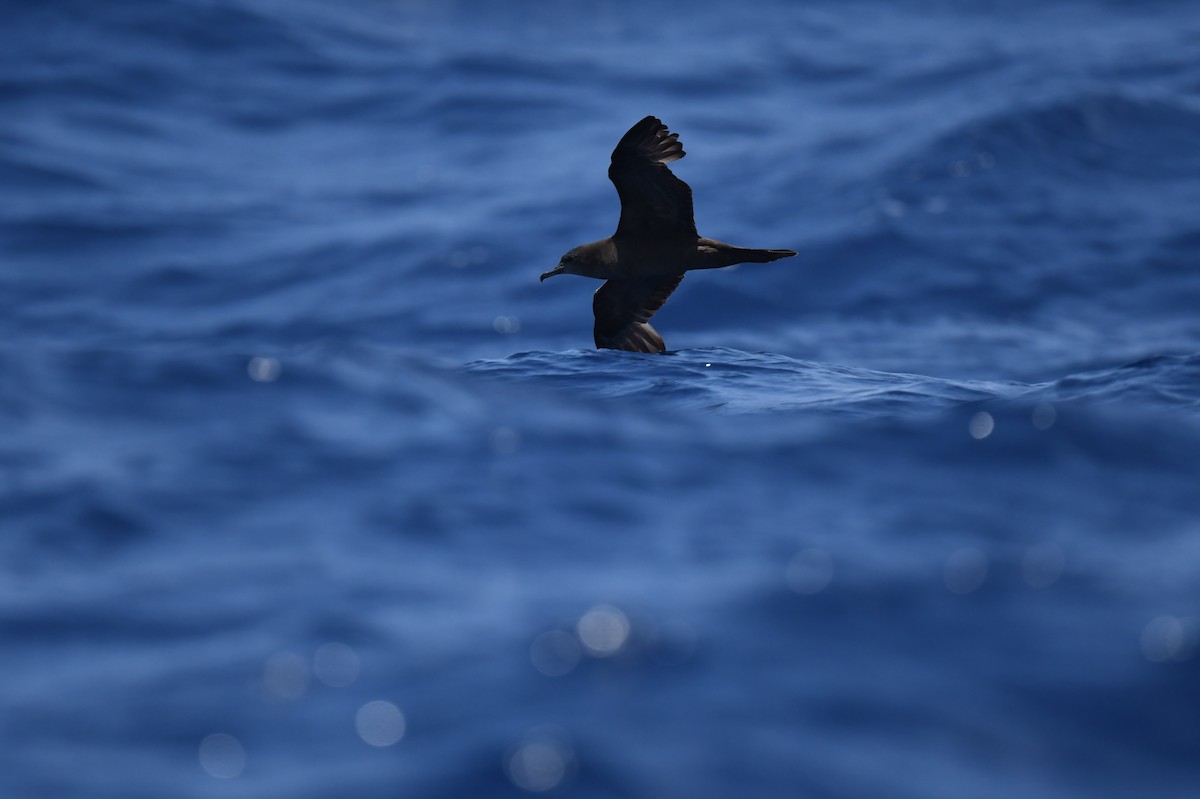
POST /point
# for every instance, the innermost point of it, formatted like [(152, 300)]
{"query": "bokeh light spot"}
[(506, 325), (285, 676), (264, 370), (1044, 416), (810, 571), (379, 723), (222, 756), (336, 664), (966, 570), (504, 441), (981, 425), (603, 630), (554, 653), (1163, 638), (1043, 564), (540, 761)]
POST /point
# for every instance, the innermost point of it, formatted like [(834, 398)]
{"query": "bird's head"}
[(565, 264), (586, 260)]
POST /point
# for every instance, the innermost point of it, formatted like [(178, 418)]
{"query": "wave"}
[(1077, 207), (733, 381)]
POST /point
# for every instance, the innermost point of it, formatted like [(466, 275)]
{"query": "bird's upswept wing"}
[(653, 201), (623, 309)]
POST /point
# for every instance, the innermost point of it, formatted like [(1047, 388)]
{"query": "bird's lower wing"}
[(623, 309)]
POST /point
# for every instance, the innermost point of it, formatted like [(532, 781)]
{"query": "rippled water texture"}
[(310, 488)]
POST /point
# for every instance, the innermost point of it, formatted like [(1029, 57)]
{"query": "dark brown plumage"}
[(655, 243)]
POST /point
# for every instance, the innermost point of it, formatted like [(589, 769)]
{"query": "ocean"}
[(311, 489)]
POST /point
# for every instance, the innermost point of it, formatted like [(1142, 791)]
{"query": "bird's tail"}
[(715, 254), (761, 256)]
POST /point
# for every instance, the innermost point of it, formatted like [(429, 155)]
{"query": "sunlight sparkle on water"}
[(379, 723), (603, 630), (222, 756)]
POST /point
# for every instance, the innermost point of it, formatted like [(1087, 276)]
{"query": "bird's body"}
[(655, 243)]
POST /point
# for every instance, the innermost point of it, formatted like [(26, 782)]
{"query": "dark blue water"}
[(310, 489)]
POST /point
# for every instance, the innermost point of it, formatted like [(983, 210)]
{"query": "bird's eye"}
[(568, 258)]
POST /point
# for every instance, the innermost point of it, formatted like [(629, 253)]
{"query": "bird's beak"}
[(558, 270)]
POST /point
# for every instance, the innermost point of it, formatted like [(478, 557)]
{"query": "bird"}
[(654, 245)]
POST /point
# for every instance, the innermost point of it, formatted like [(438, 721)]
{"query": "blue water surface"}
[(311, 489)]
